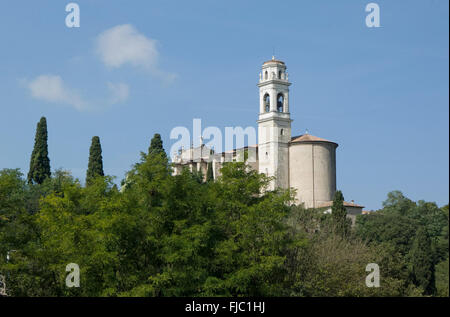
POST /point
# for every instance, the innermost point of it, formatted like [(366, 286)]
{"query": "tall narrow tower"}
[(274, 124)]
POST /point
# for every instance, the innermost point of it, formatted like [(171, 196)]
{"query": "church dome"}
[(273, 60)]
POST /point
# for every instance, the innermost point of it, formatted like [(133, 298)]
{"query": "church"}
[(304, 162)]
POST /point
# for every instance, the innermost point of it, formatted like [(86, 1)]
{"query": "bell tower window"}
[(280, 103), (267, 102), (266, 75)]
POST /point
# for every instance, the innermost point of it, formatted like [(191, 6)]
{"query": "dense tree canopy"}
[(167, 235), (416, 235)]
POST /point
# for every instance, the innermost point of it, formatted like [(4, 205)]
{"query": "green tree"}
[(209, 173), (40, 163), (442, 278), (339, 214), (167, 255), (95, 166), (422, 262), (13, 227), (156, 145), (442, 268), (198, 175), (397, 203), (397, 230), (18, 234), (252, 240)]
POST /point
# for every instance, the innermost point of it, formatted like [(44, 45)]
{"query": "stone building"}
[(304, 162)]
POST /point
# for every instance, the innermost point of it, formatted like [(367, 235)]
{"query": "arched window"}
[(280, 102), (282, 132), (267, 102), (279, 74), (266, 75)]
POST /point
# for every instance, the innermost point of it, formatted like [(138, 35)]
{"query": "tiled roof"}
[(308, 138), (346, 204)]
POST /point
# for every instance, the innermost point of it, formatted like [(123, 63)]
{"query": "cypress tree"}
[(339, 214), (209, 173), (198, 175), (95, 166), (422, 262), (39, 162), (156, 145)]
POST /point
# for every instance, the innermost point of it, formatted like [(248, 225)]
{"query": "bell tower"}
[(274, 123)]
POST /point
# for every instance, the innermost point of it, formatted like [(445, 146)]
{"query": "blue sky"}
[(381, 93)]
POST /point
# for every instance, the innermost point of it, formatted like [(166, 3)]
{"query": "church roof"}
[(308, 138), (273, 60), (346, 204)]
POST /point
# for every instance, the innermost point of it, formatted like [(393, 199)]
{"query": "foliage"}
[(442, 279), (339, 215), (209, 173), (422, 262), (442, 268), (95, 165), (156, 145), (329, 264), (415, 234), (176, 235), (40, 163)]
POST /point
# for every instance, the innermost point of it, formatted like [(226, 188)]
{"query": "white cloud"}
[(124, 45), (119, 92), (51, 88)]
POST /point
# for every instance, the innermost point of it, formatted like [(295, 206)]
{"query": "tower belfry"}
[(274, 122)]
